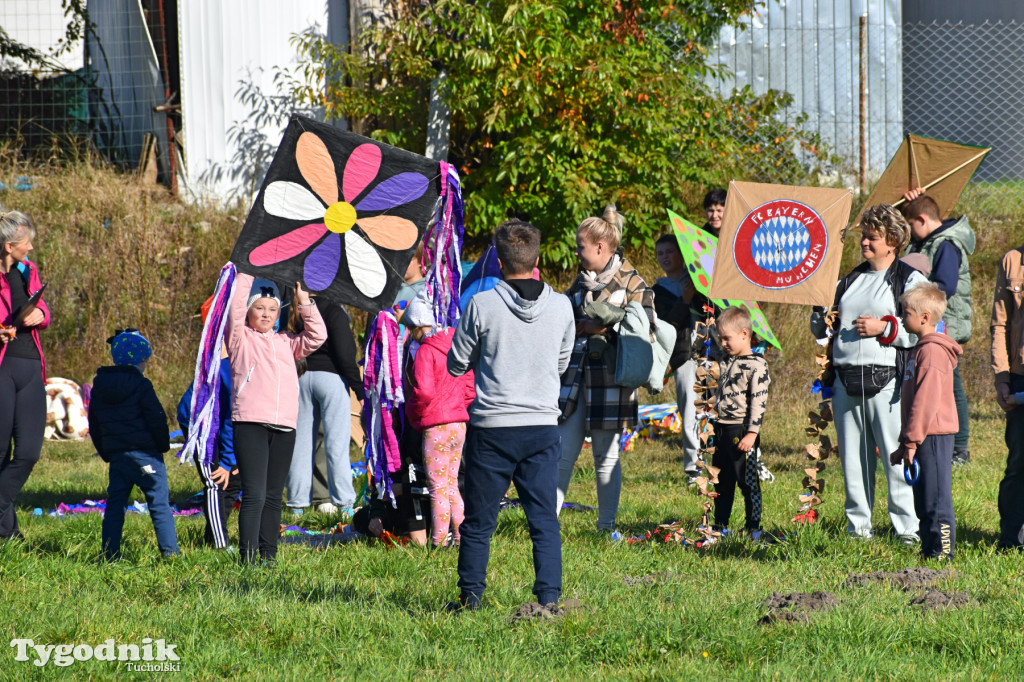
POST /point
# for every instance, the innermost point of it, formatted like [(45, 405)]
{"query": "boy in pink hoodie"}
[(930, 418), (438, 406)]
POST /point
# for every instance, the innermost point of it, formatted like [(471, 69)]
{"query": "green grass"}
[(365, 611)]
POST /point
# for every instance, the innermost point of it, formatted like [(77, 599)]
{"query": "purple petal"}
[(395, 191), (321, 266)]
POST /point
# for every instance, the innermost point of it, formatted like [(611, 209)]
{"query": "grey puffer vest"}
[(958, 308)]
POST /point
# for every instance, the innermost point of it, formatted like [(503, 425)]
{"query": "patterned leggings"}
[(442, 452)]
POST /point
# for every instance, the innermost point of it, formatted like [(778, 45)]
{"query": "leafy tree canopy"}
[(558, 108)]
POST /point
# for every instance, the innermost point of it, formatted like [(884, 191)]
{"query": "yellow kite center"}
[(340, 217)]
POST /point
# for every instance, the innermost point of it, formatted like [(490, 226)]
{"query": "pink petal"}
[(286, 246), (360, 170)]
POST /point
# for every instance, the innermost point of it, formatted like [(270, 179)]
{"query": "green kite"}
[(698, 249)]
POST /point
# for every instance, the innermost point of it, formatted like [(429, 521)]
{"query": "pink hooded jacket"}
[(263, 375), (7, 315), (437, 397), (926, 400)]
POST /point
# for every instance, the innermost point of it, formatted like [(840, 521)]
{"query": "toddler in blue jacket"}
[(129, 429)]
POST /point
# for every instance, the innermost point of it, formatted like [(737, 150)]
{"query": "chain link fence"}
[(847, 88), (956, 82), (964, 83), (71, 82)]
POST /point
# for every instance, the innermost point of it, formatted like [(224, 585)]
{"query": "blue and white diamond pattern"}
[(780, 244)]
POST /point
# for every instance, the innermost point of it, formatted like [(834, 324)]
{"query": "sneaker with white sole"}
[(763, 473)]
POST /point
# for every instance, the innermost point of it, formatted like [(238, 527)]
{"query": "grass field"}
[(366, 611), (107, 243)]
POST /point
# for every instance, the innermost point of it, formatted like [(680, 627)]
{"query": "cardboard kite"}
[(941, 168), (698, 249), (340, 213), (780, 243)]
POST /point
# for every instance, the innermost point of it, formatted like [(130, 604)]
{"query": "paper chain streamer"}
[(817, 453), (706, 387)]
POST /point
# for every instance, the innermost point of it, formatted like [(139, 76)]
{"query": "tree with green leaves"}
[(557, 107)]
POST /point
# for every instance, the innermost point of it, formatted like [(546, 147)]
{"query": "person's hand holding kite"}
[(301, 295), (33, 318)]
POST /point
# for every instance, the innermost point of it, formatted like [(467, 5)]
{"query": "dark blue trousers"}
[(962, 412), (527, 456), (147, 471), (1011, 488), (933, 496)]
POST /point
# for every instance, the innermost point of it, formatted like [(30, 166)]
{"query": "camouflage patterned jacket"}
[(743, 391)]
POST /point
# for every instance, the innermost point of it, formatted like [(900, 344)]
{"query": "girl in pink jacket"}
[(266, 403), (438, 406)]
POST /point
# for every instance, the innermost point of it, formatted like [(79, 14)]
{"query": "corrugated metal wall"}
[(810, 48)]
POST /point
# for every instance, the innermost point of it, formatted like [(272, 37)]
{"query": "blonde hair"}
[(885, 220), (926, 297), (607, 228), (13, 226), (735, 317)]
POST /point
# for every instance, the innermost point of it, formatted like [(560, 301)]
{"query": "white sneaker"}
[(762, 470), (327, 508)]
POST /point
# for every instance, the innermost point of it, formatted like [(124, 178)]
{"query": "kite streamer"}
[(816, 453), (442, 252), (705, 387), (382, 384), (204, 412)]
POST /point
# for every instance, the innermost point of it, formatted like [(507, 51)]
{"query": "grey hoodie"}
[(518, 350)]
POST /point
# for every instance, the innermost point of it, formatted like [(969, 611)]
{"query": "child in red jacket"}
[(930, 418), (438, 406)]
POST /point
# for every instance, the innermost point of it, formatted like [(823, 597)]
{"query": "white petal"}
[(292, 200), (365, 265)]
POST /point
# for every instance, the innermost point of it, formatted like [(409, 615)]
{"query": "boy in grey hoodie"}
[(517, 338)]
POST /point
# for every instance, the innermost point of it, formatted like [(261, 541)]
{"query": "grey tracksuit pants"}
[(686, 375), (864, 424)]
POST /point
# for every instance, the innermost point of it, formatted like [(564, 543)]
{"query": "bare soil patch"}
[(906, 579), (796, 607), (937, 600)]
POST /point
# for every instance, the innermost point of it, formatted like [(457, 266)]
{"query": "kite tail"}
[(204, 412), (382, 384), (442, 252)]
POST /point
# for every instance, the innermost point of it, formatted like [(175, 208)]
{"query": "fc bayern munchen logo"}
[(780, 244)]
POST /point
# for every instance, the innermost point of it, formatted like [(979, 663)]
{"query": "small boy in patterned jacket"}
[(742, 399)]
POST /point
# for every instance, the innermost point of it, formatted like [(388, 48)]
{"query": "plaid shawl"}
[(608, 405)]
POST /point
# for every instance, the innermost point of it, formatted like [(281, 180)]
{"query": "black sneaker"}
[(463, 604), (961, 456)]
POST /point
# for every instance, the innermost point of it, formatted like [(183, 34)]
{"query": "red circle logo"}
[(780, 244)]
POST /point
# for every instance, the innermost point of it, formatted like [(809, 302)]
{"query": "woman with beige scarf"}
[(590, 400)]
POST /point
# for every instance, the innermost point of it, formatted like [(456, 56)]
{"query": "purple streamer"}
[(204, 413)]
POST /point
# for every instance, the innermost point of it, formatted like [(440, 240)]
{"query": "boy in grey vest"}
[(947, 244)]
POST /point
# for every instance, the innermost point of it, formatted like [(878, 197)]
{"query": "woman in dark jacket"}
[(22, 367)]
